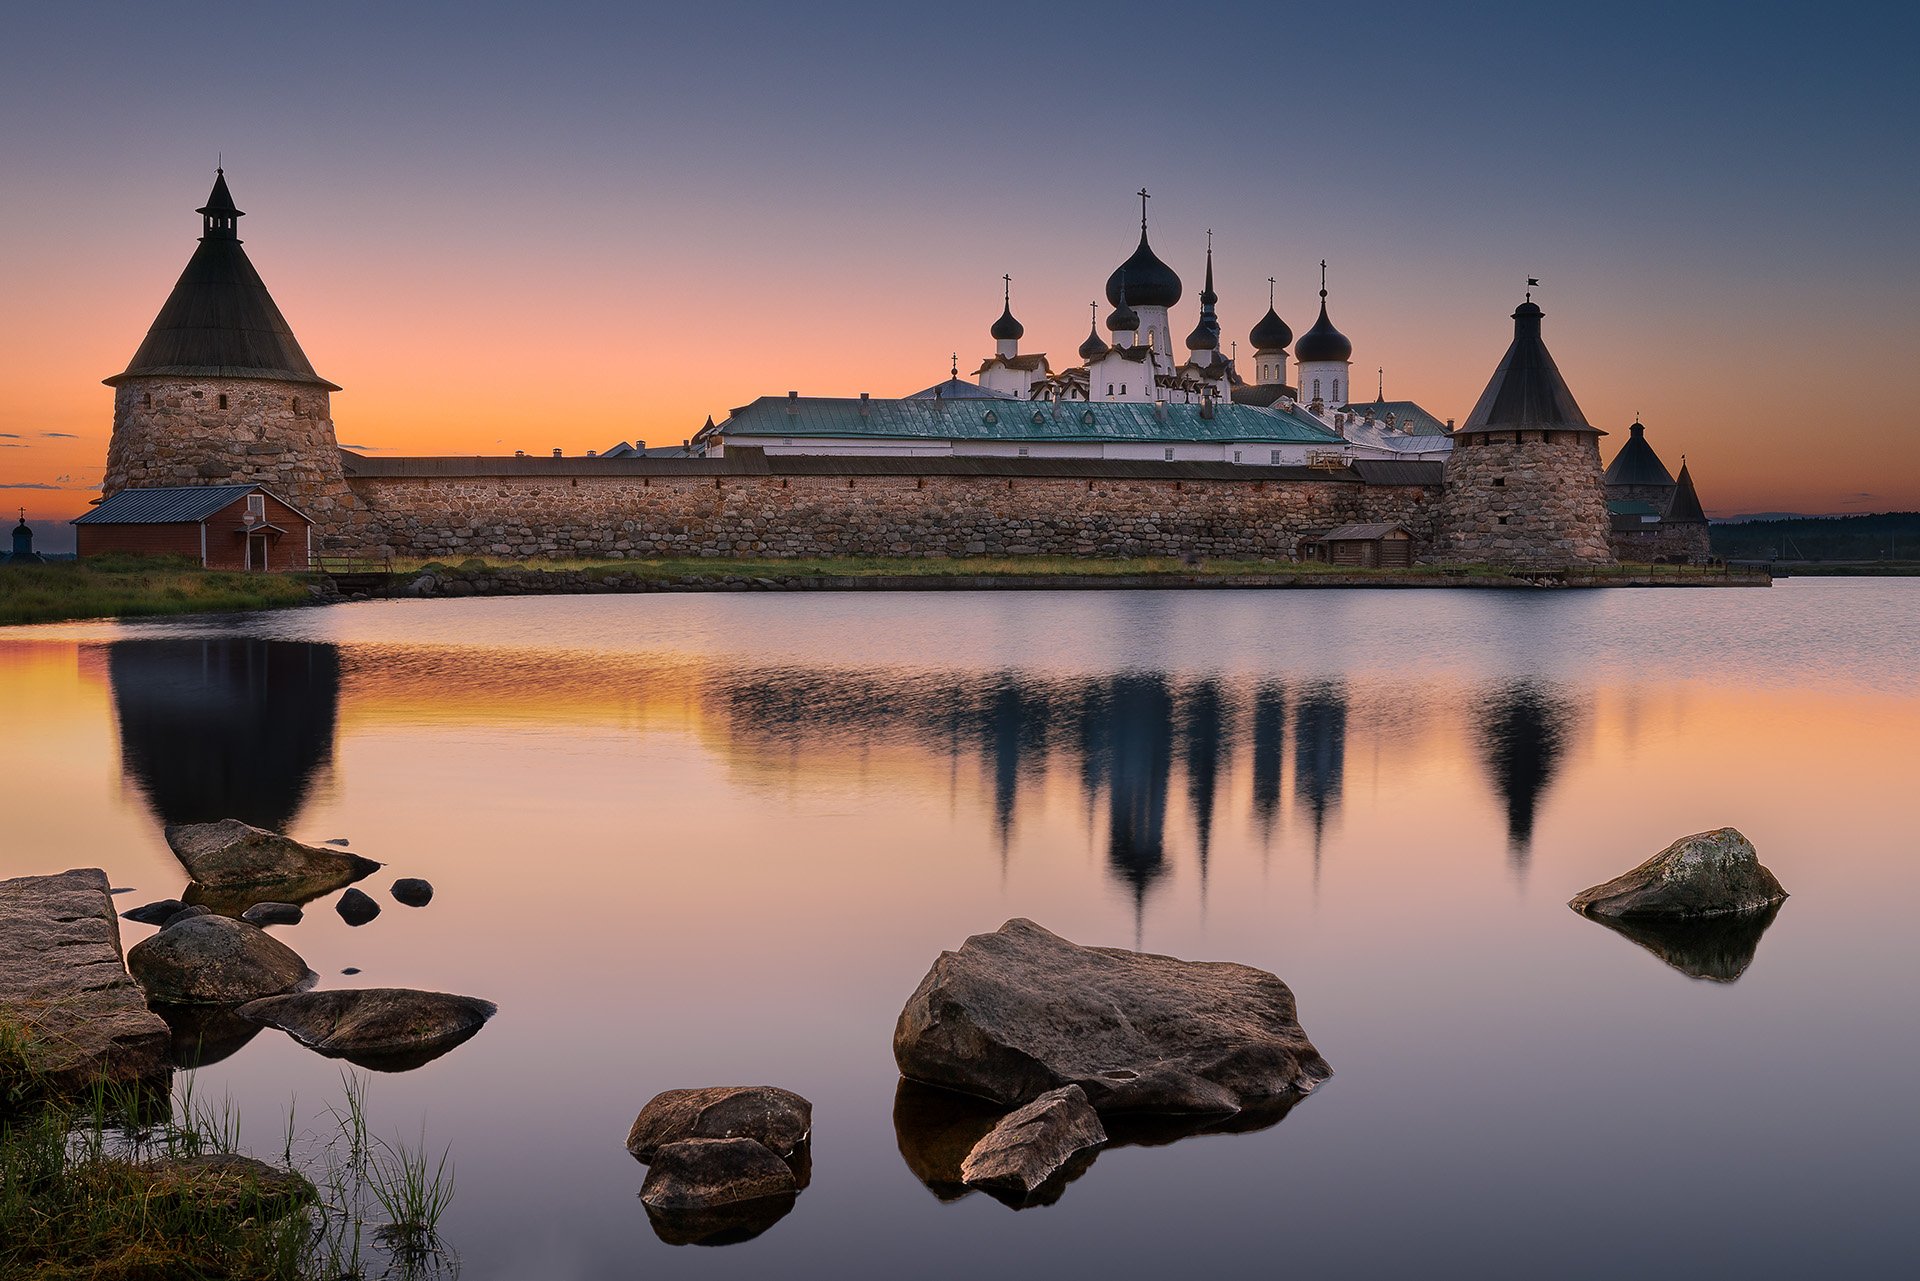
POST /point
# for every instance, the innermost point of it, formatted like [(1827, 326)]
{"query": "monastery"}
[(1132, 451)]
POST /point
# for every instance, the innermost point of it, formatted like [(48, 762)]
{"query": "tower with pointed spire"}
[(220, 393), (1522, 485)]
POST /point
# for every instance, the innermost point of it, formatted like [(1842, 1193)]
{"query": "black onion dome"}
[(1323, 341), (1205, 336), (1271, 334), (1095, 347), (1123, 318), (1149, 282), (1007, 327)]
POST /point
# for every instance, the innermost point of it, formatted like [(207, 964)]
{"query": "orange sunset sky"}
[(537, 235)]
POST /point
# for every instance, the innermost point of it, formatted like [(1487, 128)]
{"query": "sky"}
[(503, 227)]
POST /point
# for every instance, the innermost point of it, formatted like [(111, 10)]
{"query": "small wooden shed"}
[(1366, 546), (220, 526)]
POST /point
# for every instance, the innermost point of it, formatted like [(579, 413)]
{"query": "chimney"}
[(556, 453), (863, 404), (793, 402), (592, 453), (519, 453)]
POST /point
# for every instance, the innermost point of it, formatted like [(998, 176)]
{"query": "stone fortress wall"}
[(592, 514)]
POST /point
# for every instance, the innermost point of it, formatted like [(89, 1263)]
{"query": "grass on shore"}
[(111, 1190), (134, 587)]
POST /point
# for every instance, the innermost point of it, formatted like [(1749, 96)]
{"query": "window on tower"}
[(1316, 389)]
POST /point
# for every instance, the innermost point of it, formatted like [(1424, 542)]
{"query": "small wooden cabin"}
[(1366, 546), (220, 526)]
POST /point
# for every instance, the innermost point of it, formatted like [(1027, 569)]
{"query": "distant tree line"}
[(1887, 536)]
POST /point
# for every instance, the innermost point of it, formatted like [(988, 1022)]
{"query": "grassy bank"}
[(136, 587)]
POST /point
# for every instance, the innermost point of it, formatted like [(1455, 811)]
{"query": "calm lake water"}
[(688, 840)]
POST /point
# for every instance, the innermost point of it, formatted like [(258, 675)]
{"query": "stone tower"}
[(1523, 481), (220, 393)]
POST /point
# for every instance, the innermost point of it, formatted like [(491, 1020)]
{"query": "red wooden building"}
[(220, 526)]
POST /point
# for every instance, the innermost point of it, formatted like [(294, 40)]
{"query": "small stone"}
[(1032, 1144), (155, 913), (186, 914), (1707, 874), (356, 908), (411, 891), (273, 914)]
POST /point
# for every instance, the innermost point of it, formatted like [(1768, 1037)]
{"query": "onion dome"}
[(1148, 281), (1007, 328), (1271, 334), (1323, 341), (1095, 347)]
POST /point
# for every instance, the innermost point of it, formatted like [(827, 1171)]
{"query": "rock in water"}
[(1034, 1143), (215, 960), (356, 908), (233, 856), (1022, 1011), (703, 1174), (154, 913), (186, 914), (273, 914), (1707, 874), (777, 1119), (220, 1184), (389, 1029), (411, 891)]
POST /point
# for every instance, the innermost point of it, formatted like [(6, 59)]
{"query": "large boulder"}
[(1022, 1011), (1034, 1143), (777, 1119), (215, 960), (229, 859), (1707, 874), (391, 1029)]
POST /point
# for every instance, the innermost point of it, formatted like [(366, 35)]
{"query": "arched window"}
[(1109, 389), (1316, 389), (1336, 392)]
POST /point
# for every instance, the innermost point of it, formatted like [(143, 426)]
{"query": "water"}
[(689, 840)]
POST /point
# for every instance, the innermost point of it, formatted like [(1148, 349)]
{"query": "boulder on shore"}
[(215, 960), (1033, 1144), (387, 1029), (64, 985), (228, 857), (1022, 1011), (779, 1120), (1707, 874)]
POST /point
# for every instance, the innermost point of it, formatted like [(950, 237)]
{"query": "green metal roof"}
[(817, 417)]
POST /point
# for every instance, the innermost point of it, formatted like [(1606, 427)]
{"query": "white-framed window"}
[(1274, 456), (1236, 455), (257, 506), (1336, 390), (1023, 451), (1169, 453), (1316, 389)]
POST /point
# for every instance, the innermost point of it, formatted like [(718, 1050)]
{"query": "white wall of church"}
[(1325, 379), (1270, 367)]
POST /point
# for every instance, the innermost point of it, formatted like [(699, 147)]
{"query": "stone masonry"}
[(653, 517), (1528, 499), (174, 431)]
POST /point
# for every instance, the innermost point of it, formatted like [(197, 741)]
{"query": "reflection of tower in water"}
[(1204, 728), (1320, 754), (1139, 763), (1014, 732), (1523, 733), (229, 727), (1269, 737)]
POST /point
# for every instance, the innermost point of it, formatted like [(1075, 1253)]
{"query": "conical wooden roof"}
[(220, 321), (1527, 392), (1685, 507)]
